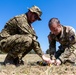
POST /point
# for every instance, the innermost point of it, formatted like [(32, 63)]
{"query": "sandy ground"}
[(31, 68)]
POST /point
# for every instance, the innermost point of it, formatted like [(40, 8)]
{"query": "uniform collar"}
[(61, 32)]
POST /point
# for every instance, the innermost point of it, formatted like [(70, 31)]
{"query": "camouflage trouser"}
[(69, 54), (16, 45)]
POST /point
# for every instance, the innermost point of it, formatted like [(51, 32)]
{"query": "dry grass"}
[(31, 68)]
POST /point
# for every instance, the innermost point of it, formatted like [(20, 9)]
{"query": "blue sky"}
[(65, 10)]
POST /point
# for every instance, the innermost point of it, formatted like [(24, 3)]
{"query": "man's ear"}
[(28, 12), (59, 25)]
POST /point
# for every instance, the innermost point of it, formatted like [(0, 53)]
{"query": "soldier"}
[(18, 37), (66, 36)]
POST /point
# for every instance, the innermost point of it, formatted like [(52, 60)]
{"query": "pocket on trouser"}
[(6, 45), (72, 58), (3, 45)]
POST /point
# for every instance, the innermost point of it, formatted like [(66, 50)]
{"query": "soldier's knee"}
[(29, 41), (24, 39)]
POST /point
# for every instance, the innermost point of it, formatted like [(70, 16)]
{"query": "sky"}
[(64, 10)]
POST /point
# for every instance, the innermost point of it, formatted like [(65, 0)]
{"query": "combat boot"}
[(18, 61), (9, 60)]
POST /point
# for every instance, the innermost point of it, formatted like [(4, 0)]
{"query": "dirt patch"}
[(31, 68)]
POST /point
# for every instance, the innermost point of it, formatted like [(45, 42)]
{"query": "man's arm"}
[(37, 49), (52, 45), (71, 35)]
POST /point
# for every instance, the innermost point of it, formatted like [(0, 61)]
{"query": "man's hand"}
[(45, 58), (58, 62), (48, 60)]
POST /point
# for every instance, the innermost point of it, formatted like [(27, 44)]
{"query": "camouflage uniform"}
[(67, 48), (18, 37)]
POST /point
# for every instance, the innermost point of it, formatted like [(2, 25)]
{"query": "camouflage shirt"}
[(17, 25), (66, 38), (20, 25)]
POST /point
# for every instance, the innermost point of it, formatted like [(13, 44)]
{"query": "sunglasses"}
[(36, 16)]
